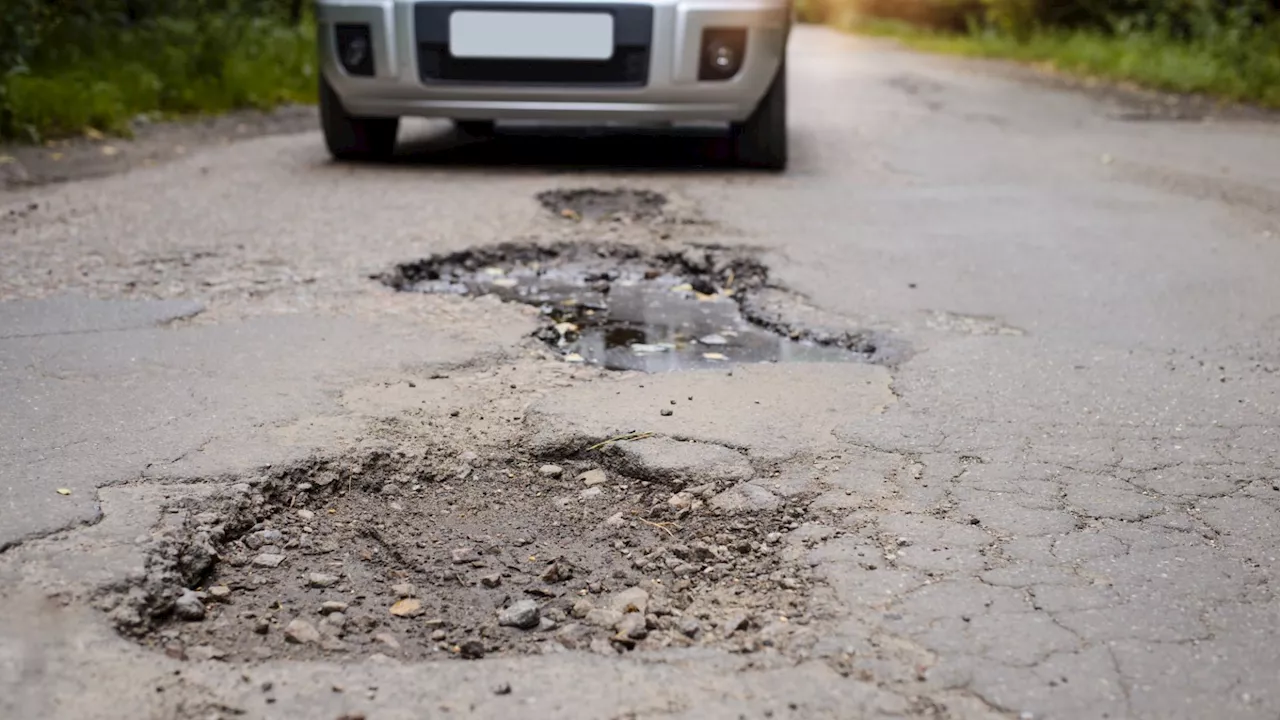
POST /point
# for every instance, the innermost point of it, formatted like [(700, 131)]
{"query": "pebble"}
[(591, 478), (322, 580), (220, 593), (582, 607), (667, 412), (690, 627), (546, 623), (301, 632), (404, 590), (262, 627), (206, 652), (633, 626), (684, 569), (680, 500), (574, 637), (471, 650), (390, 489), (268, 560), (773, 537), (555, 573), (502, 689), (631, 600), (616, 520), (465, 555), (590, 493), (604, 617), (439, 635), (522, 614), (387, 639), (550, 470), (491, 581), (332, 606), (188, 606), (337, 620), (408, 607), (734, 623)]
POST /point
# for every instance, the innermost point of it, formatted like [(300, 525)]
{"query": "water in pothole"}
[(634, 318)]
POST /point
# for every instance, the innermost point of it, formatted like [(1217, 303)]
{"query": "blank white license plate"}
[(531, 35)]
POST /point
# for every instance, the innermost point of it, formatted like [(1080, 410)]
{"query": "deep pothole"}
[(627, 309), (472, 557)]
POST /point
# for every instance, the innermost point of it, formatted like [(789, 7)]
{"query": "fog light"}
[(723, 50), (355, 49)]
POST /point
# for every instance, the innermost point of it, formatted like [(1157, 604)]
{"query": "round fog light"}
[(722, 57), (355, 52)]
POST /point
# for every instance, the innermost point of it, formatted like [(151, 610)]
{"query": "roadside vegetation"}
[(74, 66), (1228, 49)]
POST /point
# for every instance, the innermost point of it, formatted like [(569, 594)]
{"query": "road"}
[(1057, 497)]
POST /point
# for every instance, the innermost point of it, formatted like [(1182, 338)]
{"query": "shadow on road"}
[(570, 148)]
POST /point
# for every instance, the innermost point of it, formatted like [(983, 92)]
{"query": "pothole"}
[(598, 204), (626, 309), (466, 558)]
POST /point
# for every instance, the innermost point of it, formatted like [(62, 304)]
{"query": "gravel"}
[(522, 614), (301, 632), (188, 606)]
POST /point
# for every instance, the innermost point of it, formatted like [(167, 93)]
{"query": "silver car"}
[(585, 61)]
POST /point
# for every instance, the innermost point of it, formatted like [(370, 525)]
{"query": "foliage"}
[(1229, 49), (66, 65)]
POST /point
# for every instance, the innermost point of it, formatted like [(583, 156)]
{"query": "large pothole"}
[(624, 308), (467, 556)]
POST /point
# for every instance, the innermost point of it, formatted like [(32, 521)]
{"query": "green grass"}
[(1244, 68), (168, 69)]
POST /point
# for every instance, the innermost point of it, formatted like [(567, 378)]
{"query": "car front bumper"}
[(670, 91)]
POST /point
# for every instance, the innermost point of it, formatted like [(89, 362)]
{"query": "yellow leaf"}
[(570, 214), (93, 133), (408, 607), (109, 150), (714, 356), (573, 358), (63, 491), (55, 156)]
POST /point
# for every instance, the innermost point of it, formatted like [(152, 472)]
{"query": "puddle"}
[(631, 313)]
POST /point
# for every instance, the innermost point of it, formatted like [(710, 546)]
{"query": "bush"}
[(66, 65)]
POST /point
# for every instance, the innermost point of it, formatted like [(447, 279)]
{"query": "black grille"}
[(629, 66)]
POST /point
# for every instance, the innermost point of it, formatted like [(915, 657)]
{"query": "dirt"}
[(152, 143), (624, 307), (430, 556), (601, 204)]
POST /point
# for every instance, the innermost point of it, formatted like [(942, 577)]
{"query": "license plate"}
[(531, 35)]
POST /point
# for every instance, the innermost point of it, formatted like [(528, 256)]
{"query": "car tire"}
[(761, 141), (476, 128), (354, 138)]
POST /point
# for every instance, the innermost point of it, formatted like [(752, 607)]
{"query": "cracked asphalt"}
[(1062, 501)]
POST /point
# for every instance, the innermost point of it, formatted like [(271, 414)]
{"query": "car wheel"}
[(761, 141), (475, 128), (354, 138)]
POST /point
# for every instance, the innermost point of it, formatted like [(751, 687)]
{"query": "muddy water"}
[(633, 318)]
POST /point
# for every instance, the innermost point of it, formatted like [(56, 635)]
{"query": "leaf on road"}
[(408, 607), (714, 356), (63, 491), (570, 214), (93, 133)]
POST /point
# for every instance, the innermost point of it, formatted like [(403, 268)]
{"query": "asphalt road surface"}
[(1053, 490)]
